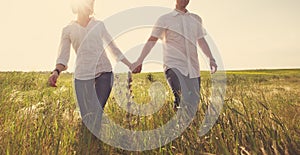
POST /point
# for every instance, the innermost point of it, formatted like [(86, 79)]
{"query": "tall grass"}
[(260, 116)]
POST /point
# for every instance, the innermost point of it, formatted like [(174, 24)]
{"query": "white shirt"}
[(88, 44), (179, 33)]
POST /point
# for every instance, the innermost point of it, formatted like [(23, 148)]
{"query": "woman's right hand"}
[(52, 79), (136, 67)]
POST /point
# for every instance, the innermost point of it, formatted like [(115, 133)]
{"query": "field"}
[(261, 115)]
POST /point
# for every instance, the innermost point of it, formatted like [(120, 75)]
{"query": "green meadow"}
[(261, 115)]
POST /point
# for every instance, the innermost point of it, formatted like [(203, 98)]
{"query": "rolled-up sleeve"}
[(159, 28), (64, 48), (116, 52), (201, 32)]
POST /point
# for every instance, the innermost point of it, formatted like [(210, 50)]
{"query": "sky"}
[(256, 34)]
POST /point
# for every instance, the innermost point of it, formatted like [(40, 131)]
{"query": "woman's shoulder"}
[(70, 24), (73, 24), (94, 19), (68, 27), (97, 22)]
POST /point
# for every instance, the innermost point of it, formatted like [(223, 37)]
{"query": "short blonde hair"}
[(76, 5)]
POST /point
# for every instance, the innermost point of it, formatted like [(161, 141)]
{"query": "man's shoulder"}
[(197, 17), (167, 15), (173, 14)]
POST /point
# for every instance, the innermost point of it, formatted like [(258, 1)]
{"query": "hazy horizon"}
[(248, 34)]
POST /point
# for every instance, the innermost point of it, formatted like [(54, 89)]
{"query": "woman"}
[(86, 35)]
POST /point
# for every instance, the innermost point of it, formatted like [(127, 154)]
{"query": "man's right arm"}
[(147, 48), (137, 66)]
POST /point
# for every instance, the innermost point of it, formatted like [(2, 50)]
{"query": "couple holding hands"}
[(179, 30)]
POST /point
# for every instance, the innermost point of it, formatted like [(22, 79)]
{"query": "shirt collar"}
[(178, 12)]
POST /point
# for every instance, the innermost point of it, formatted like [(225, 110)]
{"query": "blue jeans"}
[(92, 96), (191, 90)]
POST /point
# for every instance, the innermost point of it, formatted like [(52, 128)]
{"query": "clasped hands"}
[(136, 67)]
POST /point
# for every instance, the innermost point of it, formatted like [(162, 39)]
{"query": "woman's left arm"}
[(119, 56)]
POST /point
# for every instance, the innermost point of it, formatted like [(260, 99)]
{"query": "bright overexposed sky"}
[(253, 34)]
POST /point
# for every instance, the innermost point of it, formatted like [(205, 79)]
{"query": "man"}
[(180, 31)]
